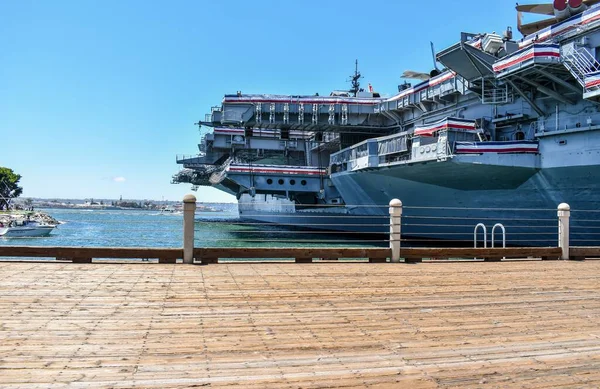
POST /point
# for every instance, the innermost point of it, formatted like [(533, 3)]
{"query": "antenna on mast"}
[(354, 80)]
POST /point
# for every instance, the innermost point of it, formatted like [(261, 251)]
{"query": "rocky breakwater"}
[(31, 216)]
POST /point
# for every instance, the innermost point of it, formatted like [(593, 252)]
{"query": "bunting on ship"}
[(276, 169), (521, 146), (424, 85), (584, 19), (446, 124), (281, 99), (592, 80), (543, 53)]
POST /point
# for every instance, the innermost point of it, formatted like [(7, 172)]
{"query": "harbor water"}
[(133, 228)]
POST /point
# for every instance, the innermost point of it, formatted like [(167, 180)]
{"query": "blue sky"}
[(97, 97)]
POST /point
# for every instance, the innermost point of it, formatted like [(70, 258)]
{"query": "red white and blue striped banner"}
[(588, 16), (446, 124), (592, 80), (538, 51), (424, 85), (476, 42), (280, 99), (228, 131), (276, 169), (496, 147)]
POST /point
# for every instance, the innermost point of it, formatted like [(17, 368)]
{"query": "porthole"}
[(280, 181), (269, 181), (292, 182), (303, 182)]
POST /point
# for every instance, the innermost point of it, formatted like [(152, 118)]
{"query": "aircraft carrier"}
[(502, 124)]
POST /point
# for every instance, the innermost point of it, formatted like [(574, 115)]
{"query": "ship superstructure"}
[(505, 122)]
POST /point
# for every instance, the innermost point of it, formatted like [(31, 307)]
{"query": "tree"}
[(9, 188)]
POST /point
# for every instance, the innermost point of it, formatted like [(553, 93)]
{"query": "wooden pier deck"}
[(518, 324)]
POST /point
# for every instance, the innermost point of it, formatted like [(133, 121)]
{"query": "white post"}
[(189, 210), (564, 212), (395, 227)]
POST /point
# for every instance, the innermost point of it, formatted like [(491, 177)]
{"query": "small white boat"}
[(170, 211), (26, 230)]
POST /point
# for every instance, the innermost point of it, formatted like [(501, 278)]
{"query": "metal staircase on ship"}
[(584, 67)]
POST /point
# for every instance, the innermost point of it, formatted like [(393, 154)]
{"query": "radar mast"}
[(354, 80)]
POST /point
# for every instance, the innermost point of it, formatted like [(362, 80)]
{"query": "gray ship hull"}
[(443, 202)]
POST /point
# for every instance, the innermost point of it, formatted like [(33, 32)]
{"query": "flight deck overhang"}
[(467, 59), (276, 179)]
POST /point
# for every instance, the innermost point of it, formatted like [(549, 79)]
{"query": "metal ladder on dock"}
[(482, 226)]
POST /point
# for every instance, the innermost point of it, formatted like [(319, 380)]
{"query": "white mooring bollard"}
[(189, 211), (564, 213), (395, 228)]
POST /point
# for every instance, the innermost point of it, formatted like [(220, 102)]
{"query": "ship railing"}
[(580, 31), (495, 94), (354, 153), (411, 97), (562, 122), (372, 152), (212, 116), (181, 158), (324, 138)]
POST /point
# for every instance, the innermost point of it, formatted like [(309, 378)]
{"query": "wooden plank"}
[(584, 252), (493, 259), (277, 252), (204, 260), (89, 252), (373, 253), (81, 260), (470, 252), (380, 253)]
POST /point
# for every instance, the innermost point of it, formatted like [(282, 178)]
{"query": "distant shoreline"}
[(119, 205), (92, 207), (200, 208)]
